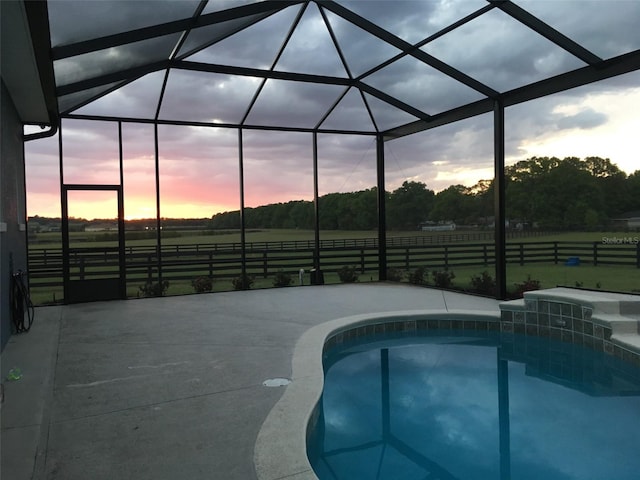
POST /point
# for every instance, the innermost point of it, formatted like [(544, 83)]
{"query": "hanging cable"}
[(20, 303)]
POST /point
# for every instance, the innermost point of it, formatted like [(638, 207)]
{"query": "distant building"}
[(627, 220), (437, 226), (101, 227)]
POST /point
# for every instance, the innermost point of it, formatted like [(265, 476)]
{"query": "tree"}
[(558, 193), (632, 191), (365, 206), (483, 200), (453, 203), (409, 205), (525, 185), (301, 214), (612, 183), (601, 167), (229, 220)]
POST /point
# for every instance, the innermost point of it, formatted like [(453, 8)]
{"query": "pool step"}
[(605, 321)]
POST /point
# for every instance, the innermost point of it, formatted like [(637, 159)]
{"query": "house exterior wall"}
[(13, 236)]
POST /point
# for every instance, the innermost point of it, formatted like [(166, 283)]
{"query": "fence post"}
[(362, 260), (446, 257), (484, 254), (555, 252), (264, 263), (406, 259), (149, 270), (595, 254), (210, 264), (521, 254)]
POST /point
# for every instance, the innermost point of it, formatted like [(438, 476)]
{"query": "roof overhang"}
[(27, 69)]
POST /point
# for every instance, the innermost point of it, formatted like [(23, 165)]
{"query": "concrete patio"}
[(172, 387)]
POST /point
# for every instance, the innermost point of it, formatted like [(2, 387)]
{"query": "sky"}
[(199, 174)]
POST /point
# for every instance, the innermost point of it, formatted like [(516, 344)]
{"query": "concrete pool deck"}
[(172, 387)]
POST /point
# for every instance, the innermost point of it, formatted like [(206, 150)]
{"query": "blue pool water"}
[(448, 405)]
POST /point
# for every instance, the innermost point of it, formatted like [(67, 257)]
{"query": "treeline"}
[(38, 223), (409, 206), (545, 192), (570, 193)]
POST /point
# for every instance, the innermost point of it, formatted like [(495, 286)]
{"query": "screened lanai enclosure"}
[(189, 109)]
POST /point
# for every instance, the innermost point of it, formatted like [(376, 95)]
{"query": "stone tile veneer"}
[(568, 321), (403, 326)]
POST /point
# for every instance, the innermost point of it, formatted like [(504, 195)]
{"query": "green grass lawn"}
[(616, 278), (80, 239), (188, 237), (612, 278), (578, 237)]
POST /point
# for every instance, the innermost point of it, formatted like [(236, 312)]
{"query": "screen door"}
[(93, 243)]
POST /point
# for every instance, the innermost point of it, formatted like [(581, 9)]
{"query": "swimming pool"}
[(470, 405)]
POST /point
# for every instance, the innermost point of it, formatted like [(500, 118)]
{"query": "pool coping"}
[(280, 449)]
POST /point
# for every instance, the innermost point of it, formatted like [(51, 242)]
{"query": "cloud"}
[(606, 28), (199, 166), (443, 403), (76, 20), (511, 56), (413, 20), (586, 119)]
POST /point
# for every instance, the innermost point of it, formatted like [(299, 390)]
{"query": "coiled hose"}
[(22, 311)]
